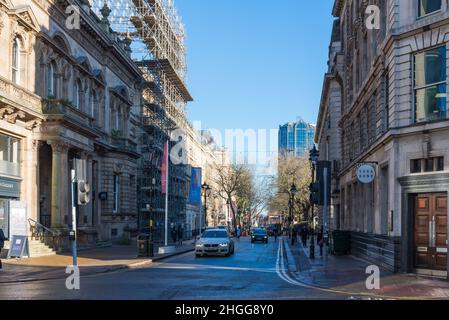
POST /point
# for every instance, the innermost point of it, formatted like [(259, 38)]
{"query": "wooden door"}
[(431, 231)]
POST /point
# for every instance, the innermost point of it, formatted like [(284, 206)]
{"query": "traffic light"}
[(83, 192), (315, 193), (320, 180)]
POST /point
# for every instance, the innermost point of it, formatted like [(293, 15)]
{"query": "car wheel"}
[(198, 255)]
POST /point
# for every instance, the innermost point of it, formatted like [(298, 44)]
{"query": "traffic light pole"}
[(74, 202)]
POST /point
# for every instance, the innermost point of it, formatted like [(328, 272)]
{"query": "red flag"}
[(164, 169)]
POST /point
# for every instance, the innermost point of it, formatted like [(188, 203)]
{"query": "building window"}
[(427, 165), (426, 7), (440, 164), (16, 61), (430, 85), (116, 194), (415, 166), (77, 94), (51, 83), (93, 103), (9, 155)]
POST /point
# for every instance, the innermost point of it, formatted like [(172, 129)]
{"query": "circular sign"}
[(366, 173)]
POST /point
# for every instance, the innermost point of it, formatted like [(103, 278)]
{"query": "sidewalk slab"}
[(90, 262), (347, 274)]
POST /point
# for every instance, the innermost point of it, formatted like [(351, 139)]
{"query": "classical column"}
[(32, 179), (58, 191)]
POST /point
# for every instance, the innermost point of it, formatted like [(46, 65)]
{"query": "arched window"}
[(51, 81), (16, 61)]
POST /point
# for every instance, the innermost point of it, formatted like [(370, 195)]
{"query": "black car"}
[(260, 235)]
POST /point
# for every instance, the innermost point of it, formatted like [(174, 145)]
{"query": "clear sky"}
[(255, 63)]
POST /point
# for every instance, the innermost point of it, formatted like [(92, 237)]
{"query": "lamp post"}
[(205, 187), (313, 159), (290, 207)]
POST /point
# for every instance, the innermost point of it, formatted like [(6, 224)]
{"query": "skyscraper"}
[(295, 138)]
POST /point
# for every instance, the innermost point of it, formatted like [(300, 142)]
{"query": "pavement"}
[(348, 275), (90, 262)]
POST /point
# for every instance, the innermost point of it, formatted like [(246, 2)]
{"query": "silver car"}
[(216, 242)]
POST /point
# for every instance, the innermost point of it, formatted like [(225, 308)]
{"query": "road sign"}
[(366, 173)]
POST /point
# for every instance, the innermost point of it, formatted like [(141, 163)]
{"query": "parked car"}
[(216, 242), (259, 235)]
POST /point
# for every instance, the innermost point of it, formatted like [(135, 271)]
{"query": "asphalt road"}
[(256, 271)]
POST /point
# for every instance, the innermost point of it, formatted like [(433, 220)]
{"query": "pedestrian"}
[(2, 244), (275, 233), (304, 236), (238, 233), (174, 234), (180, 234), (320, 240)]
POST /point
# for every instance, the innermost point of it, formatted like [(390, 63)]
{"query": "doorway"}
[(430, 231)]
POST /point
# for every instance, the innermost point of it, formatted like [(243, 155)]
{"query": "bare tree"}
[(291, 170), (229, 179)]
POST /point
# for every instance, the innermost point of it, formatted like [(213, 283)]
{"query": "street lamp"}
[(293, 191), (313, 158), (205, 187)]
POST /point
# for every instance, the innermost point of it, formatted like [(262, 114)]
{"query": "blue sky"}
[(255, 63)]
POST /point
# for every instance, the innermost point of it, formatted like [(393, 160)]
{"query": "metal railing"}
[(46, 235)]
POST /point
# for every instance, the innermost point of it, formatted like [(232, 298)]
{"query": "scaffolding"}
[(157, 43)]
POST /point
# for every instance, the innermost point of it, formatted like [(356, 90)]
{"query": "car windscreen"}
[(215, 234), (260, 232)]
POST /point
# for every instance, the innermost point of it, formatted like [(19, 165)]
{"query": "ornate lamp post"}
[(313, 159), (293, 191), (205, 187)]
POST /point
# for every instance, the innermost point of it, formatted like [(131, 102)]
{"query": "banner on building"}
[(195, 187), (164, 169)]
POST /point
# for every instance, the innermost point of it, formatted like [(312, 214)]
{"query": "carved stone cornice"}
[(6, 111), (12, 118), (30, 125)]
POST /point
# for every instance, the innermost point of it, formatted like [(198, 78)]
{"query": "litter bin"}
[(143, 245), (341, 243)]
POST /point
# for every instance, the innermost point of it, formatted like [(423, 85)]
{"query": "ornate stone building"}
[(394, 117), (67, 93), (328, 131)]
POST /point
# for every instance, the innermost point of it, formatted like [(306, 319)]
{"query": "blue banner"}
[(195, 187)]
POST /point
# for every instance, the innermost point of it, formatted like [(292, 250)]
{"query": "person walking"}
[(275, 233), (2, 244), (304, 236), (174, 234), (180, 234), (238, 233)]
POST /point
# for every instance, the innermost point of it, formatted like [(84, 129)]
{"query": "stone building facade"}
[(328, 131), (68, 93), (394, 117)]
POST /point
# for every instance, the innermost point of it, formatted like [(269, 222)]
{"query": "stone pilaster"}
[(58, 191)]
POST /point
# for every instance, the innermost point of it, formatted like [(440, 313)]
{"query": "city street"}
[(256, 271)]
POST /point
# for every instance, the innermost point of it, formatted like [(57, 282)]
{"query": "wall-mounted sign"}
[(9, 188), (366, 173)]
